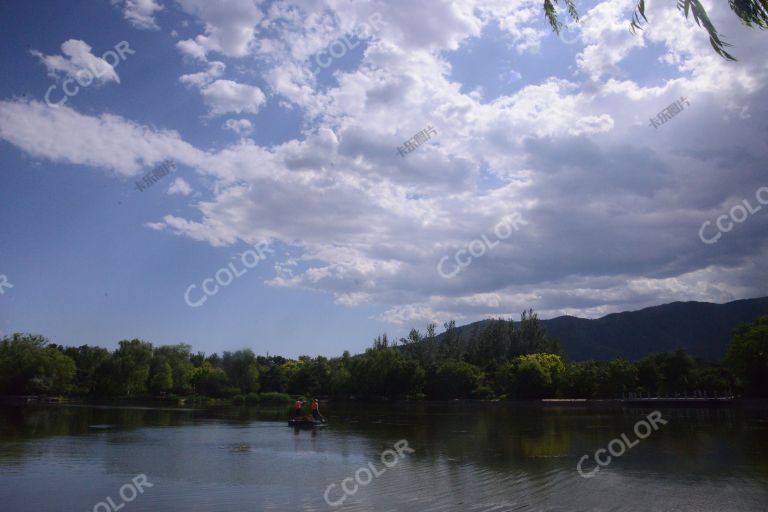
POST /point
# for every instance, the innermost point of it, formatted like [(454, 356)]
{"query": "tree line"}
[(504, 359)]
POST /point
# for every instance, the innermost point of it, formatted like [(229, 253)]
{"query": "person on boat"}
[(316, 410), (297, 408)]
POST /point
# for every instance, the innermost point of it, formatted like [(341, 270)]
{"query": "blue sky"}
[(269, 148)]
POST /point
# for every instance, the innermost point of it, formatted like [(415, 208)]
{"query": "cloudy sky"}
[(284, 119)]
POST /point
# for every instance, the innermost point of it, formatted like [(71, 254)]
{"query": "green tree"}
[(208, 380), (242, 370), (676, 368), (532, 336), (713, 380), (162, 377), (132, 361), (385, 373), (496, 344), (87, 360), (415, 347), (311, 376), (454, 379), (178, 357), (620, 378), (525, 379), (531, 375), (649, 377), (581, 380), (340, 379), (747, 355), (274, 379), (197, 359), (450, 348), (29, 365)]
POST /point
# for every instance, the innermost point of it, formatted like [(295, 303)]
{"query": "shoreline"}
[(546, 403)]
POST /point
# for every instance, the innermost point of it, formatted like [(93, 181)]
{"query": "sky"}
[(339, 169)]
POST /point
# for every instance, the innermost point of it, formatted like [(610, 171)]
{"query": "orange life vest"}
[(297, 405)]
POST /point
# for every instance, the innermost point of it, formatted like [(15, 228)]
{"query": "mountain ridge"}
[(703, 329)]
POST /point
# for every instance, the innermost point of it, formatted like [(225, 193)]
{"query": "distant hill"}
[(703, 329)]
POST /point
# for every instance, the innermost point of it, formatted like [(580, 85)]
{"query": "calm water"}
[(467, 458)]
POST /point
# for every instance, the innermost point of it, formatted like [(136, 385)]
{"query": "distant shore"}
[(204, 402)]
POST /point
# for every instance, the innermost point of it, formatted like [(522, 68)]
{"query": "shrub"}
[(455, 379), (272, 397), (252, 398), (231, 391), (483, 392), (531, 376)]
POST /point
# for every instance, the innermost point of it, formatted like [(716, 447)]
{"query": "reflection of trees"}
[(501, 437), (18, 424), (507, 437)]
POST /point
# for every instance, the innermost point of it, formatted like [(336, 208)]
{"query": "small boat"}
[(305, 422)]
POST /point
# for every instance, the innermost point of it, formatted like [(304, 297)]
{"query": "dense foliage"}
[(505, 359)]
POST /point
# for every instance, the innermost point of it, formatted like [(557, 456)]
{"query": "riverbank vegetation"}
[(506, 360)]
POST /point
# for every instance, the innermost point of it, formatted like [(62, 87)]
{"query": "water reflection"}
[(468, 457)]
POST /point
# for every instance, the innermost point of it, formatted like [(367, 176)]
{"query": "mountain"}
[(703, 329)]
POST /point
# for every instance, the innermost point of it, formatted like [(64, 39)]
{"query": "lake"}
[(458, 456)]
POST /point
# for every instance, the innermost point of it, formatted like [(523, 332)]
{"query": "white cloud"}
[(191, 49), (109, 141), (604, 31), (140, 13), (203, 78), (613, 207), (239, 126), (78, 62), (224, 96), (230, 27), (156, 226), (180, 186), (415, 314)]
